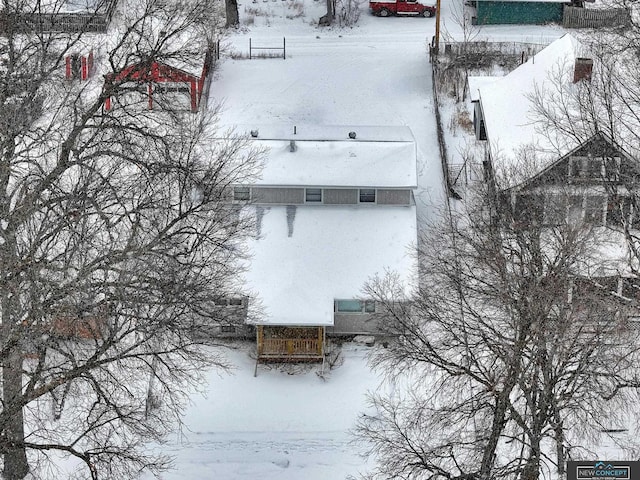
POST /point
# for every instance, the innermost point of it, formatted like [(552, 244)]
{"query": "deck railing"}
[(290, 347)]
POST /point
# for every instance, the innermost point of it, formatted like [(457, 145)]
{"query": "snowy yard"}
[(287, 423)]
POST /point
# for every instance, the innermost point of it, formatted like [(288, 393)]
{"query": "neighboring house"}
[(504, 113), (334, 207), (532, 12), (548, 178)]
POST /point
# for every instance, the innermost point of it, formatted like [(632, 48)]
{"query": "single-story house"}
[(334, 207)]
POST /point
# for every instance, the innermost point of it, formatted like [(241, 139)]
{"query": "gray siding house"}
[(334, 207)]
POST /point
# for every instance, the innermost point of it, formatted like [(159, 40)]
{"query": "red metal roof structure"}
[(156, 72)]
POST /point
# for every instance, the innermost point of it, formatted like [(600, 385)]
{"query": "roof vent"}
[(352, 135), (254, 133), (292, 146)]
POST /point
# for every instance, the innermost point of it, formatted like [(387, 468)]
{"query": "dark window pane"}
[(555, 210), (618, 210), (586, 168), (349, 306), (241, 193), (313, 195), (631, 288), (529, 209), (367, 195)]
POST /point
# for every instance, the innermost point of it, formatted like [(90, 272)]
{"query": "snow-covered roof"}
[(326, 156), (476, 83), (331, 253), (508, 111), (364, 133)]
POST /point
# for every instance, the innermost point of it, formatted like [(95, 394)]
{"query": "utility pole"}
[(436, 42)]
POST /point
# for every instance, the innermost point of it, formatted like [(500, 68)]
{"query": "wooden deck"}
[(309, 349)]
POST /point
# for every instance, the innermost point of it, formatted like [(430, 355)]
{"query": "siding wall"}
[(330, 196), (340, 196), (278, 195), (353, 324), (394, 197)]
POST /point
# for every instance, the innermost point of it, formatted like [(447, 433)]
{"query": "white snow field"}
[(284, 424)]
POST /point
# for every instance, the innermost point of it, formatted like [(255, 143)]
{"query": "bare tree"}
[(511, 357), (116, 236), (329, 17)]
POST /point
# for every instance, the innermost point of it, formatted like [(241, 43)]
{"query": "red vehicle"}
[(386, 8)]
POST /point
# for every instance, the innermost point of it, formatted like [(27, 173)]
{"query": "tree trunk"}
[(233, 18), (327, 19), (15, 456)]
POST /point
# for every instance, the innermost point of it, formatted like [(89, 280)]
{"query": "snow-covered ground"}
[(287, 423), (296, 425)]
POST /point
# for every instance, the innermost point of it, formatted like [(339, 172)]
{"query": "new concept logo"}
[(615, 470)]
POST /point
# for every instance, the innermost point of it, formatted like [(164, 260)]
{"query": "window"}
[(574, 213), (555, 210), (313, 195), (171, 88), (224, 301), (367, 195), (631, 288), (355, 306), (228, 329), (612, 167), (528, 209), (585, 168), (241, 194), (619, 211), (593, 209)]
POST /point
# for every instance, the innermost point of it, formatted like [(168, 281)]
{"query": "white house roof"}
[(509, 116), (476, 83), (326, 156), (331, 253)]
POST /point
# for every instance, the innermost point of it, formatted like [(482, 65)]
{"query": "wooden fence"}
[(58, 22), (95, 21), (576, 17), (484, 47)]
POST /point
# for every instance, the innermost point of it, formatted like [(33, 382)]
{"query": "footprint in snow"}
[(283, 463)]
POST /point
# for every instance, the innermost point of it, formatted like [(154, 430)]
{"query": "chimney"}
[(292, 145), (352, 135), (583, 69), (254, 133)]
